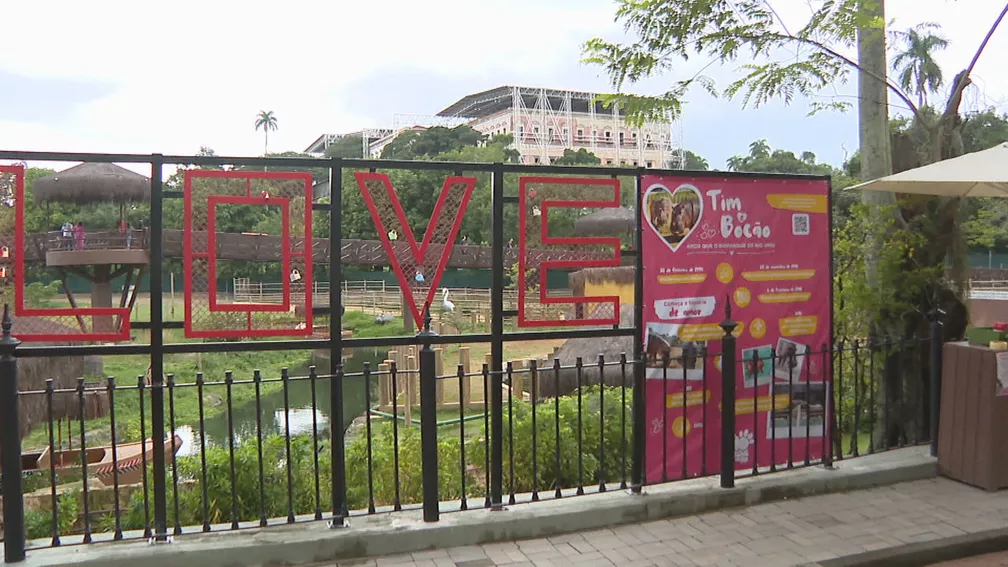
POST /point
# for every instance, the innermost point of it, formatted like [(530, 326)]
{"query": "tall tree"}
[(580, 157), (349, 146), (267, 121), (918, 71), (694, 162)]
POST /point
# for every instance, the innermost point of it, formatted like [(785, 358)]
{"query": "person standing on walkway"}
[(79, 235), (67, 234)]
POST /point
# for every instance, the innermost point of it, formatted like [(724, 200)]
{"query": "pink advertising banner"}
[(762, 244)]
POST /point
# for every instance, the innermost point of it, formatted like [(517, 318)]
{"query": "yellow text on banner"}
[(672, 279), (801, 203), (790, 297), (707, 332), (745, 405), (798, 326), (694, 398), (778, 275)]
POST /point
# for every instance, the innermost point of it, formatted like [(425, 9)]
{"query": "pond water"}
[(301, 411)]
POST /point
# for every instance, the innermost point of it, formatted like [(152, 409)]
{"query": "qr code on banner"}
[(800, 224)]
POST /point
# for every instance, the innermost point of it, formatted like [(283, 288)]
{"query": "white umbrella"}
[(979, 174)]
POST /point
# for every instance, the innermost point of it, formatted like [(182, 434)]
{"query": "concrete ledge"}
[(928, 552), (405, 532)]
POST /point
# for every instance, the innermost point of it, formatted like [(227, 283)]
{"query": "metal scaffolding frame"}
[(547, 126)]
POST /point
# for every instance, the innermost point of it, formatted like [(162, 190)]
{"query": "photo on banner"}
[(761, 245)]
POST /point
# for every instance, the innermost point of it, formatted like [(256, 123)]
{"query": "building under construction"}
[(544, 123)]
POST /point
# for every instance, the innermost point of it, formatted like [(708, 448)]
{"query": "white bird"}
[(445, 302), (536, 212)]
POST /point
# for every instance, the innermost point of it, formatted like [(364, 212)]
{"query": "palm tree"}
[(918, 71), (267, 121), (759, 149)]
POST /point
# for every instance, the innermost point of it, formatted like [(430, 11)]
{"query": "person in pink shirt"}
[(79, 235)]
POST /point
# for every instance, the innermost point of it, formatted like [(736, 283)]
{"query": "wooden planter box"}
[(973, 430)]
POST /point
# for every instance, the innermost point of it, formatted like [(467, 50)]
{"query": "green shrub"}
[(38, 523), (594, 435)]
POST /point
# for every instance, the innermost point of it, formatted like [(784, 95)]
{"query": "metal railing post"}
[(497, 342), (157, 352), (338, 466), (937, 342), (10, 447), (639, 427), (728, 399), (428, 421)]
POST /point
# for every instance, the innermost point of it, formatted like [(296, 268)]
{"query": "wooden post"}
[(439, 372), (411, 364), (486, 385), (465, 396), (384, 386), (518, 380), (407, 316), (414, 376)]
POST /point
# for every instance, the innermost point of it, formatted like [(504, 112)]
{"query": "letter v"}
[(406, 258)]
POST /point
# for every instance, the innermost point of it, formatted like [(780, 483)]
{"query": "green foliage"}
[(38, 294), (899, 278), (918, 71), (579, 157), (785, 64), (600, 441), (596, 440), (431, 142), (247, 485), (410, 471), (350, 146), (694, 162), (39, 523)]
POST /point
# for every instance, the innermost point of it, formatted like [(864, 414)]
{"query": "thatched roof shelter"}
[(589, 350), (608, 221), (92, 183), (623, 275)]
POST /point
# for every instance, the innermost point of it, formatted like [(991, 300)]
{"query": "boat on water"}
[(129, 460)]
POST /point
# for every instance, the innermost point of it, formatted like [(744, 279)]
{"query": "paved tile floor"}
[(791, 532), (989, 560)]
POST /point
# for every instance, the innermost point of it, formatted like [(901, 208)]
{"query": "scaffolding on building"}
[(544, 122)]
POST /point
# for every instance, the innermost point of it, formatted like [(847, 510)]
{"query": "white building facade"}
[(545, 122)]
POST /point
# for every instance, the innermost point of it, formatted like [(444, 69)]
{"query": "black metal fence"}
[(510, 451)]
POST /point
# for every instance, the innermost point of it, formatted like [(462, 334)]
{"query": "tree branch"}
[(963, 80), (825, 49)]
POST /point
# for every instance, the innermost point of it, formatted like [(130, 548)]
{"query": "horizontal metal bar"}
[(452, 166), (325, 207), (312, 344), (246, 346), (75, 156), (166, 325), (172, 194), (568, 334), (301, 162), (356, 163), (80, 350)]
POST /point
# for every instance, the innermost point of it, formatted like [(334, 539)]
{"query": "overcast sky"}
[(140, 77)]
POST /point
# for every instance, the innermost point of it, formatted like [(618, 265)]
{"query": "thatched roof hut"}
[(589, 350), (92, 183), (623, 275), (608, 221)]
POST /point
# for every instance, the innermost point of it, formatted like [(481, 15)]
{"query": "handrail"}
[(131, 239)]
